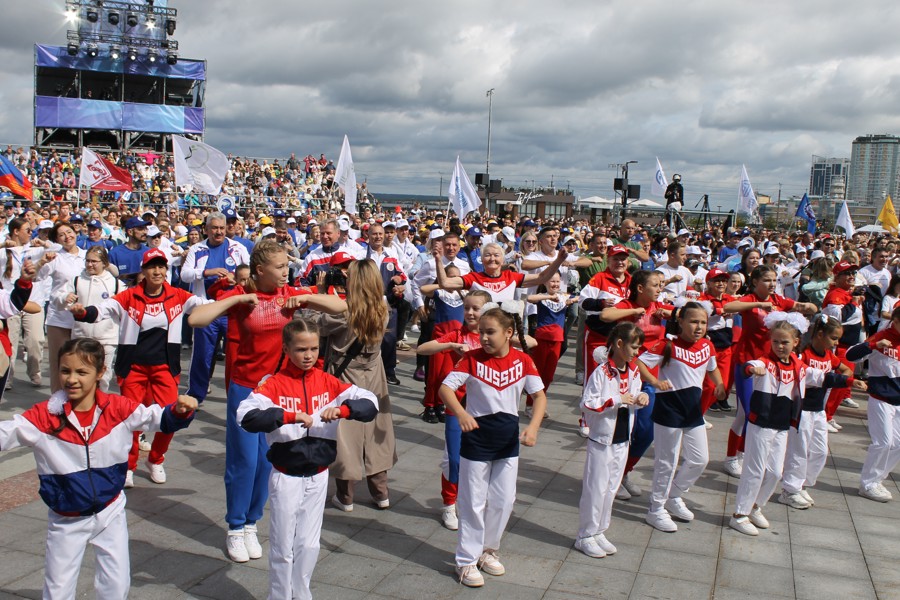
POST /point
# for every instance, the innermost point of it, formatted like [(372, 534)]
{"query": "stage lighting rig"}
[(131, 19), (171, 58), (72, 49), (92, 50), (113, 17), (170, 26), (92, 15), (114, 52), (132, 54), (151, 55)]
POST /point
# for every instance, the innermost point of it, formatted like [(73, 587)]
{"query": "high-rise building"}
[(824, 172), (874, 169)]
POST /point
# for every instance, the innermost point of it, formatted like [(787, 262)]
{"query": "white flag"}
[(463, 197), (199, 165), (844, 221), (345, 177), (660, 183), (746, 198)]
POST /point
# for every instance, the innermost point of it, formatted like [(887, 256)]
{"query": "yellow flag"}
[(888, 217)]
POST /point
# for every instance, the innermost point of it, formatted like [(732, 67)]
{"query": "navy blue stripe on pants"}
[(202, 357), (642, 434)]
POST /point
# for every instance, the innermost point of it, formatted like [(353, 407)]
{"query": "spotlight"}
[(72, 49), (71, 15), (132, 54), (113, 17), (170, 26), (92, 15), (92, 50), (131, 19), (172, 58), (114, 52), (151, 22), (151, 55)]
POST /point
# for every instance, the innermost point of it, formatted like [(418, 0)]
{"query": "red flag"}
[(101, 174)]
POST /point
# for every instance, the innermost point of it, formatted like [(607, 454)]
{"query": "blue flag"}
[(805, 212)]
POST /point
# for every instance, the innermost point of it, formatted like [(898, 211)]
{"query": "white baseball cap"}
[(267, 231), (772, 249)]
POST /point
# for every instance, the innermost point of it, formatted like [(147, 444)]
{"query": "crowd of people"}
[(307, 306)]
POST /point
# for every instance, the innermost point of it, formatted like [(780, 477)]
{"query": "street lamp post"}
[(487, 165)]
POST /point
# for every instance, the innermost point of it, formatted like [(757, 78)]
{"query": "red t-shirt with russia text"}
[(259, 328), (755, 342), (500, 288)]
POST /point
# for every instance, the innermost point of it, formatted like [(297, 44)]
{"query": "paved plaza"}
[(846, 547)]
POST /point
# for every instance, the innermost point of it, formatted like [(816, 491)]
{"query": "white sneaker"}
[(834, 426), (807, 497), (677, 508), (633, 488), (849, 403), (529, 411), (589, 547), (733, 467), (449, 518), (415, 328), (758, 519), (383, 504), (234, 543), (251, 542), (143, 444), (622, 493), (604, 543), (876, 492), (743, 525), (584, 430), (707, 424), (469, 576), (661, 521), (157, 472), (129, 479), (337, 504), (490, 564), (795, 500), (579, 377)]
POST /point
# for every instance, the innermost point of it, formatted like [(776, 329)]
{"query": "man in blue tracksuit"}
[(205, 263)]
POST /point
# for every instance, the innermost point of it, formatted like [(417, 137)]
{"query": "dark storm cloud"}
[(704, 85)]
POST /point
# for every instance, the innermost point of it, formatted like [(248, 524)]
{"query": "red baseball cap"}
[(153, 254), (339, 258), (617, 249), (844, 266), (717, 273)]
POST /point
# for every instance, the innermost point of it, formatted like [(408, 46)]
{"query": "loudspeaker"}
[(480, 178), (634, 191), (618, 184), (495, 186)]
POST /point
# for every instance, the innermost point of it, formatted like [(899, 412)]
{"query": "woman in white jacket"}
[(90, 288)]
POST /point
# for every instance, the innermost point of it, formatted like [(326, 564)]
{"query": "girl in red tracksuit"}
[(551, 319), (298, 409), (840, 303), (720, 333), (453, 345), (448, 317), (148, 360)]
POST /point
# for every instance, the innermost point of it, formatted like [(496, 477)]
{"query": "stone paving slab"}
[(845, 547)]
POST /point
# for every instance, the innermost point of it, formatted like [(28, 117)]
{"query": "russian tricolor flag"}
[(13, 179)]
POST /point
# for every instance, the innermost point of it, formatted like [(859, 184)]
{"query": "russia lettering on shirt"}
[(500, 288), (499, 379), (782, 374), (692, 358), (298, 405)]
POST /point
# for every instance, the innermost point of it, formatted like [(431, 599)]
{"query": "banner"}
[(805, 212), (844, 221), (888, 217), (660, 183), (14, 180), (345, 177), (746, 198), (101, 174), (199, 165), (462, 194)]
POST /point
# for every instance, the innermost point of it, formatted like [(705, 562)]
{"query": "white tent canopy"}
[(645, 203)]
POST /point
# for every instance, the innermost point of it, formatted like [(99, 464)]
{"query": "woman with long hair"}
[(354, 356)]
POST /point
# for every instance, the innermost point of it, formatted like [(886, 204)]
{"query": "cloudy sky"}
[(704, 85)]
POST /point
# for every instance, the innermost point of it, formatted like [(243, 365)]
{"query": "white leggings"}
[(668, 444), (487, 491), (807, 451), (603, 468), (764, 451), (296, 508), (884, 451), (67, 538)]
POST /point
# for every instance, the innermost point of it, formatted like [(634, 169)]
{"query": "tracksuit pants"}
[(487, 491), (884, 451), (450, 460), (764, 451), (150, 384), (807, 451), (30, 329), (296, 510), (67, 539), (603, 467), (670, 481), (389, 345), (205, 342), (246, 466), (743, 389)]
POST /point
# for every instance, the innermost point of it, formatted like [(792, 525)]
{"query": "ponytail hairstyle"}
[(509, 317), (290, 330), (673, 328), (822, 323), (263, 252), (14, 225), (758, 274), (628, 333), (639, 279), (89, 351)]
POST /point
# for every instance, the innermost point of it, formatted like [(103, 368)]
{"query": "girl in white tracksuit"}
[(298, 409), (611, 396), (678, 426)]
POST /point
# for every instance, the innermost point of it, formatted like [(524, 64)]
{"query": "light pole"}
[(487, 165), (441, 186)]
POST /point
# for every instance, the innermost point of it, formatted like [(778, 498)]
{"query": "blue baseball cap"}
[(76, 219), (637, 238), (229, 213), (96, 224), (473, 232), (135, 222), (278, 212), (529, 223)]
